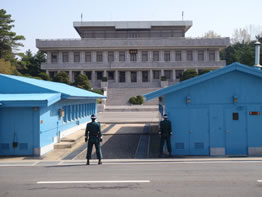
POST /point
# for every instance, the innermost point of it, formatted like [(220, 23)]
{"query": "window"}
[(65, 57), (99, 75), (110, 56), (144, 56), (167, 74), (156, 74), (54, 57), (69, 112), (133, 57), (178, 56), (99, 57), (155, 56), (189, 56), (133, 77), (167, 56), (88, 57), (235, 116), (88, 74), (111, 75), (145, 76), (65, 114), (76, 56), (122, 77), (200, 55), (211, 55), (122, 56), (52, 74)]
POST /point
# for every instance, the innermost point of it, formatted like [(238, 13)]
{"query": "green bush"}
[(104, 79), (44, 76), (62, 77), (98, 91), (138, 100)]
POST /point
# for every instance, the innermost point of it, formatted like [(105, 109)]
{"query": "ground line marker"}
[(66, 182)]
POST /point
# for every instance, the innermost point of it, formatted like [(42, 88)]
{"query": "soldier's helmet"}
[(93, 116), (165, 116)]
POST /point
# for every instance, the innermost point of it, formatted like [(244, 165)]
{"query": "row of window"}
[(132, 34), (122, 75), (133, 56), (78, 111)]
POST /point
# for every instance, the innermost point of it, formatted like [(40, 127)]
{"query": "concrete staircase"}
[(120, 96), (71, 140)]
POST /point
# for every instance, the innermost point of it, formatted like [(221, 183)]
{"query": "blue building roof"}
[(66, 91), (29, 100), (199, 79)]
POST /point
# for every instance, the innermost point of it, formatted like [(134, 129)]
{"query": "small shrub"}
[(138, 100), (98, 91)]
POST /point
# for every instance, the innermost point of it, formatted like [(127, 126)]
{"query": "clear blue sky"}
[(53, 19)]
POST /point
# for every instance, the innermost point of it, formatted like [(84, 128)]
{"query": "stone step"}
[(132, 108), (63, 145)]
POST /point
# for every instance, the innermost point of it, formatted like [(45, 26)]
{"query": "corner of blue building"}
[(35, 114), (216, 114)]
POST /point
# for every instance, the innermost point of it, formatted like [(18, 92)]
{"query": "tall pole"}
[(257, 55)]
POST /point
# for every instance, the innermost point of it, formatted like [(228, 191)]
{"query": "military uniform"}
[(165, 132), (94, 135)]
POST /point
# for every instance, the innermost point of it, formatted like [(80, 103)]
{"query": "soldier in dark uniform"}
[(165, 132), (94, 136)]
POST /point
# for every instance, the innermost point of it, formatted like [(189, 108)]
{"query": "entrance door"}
[(236, 136), (199, 134), (16, 125), (191, 134)]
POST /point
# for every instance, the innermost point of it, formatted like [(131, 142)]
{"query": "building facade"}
[(131, 54), (35, 114), (217, 113)]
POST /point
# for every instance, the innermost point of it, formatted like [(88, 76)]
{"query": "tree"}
[(6, 67), (189, 73), (44, 76), (9, 41), (62, 77), (241, 35), (81, 81), (211, 34)]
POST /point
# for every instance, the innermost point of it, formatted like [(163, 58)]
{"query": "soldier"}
[(94, 136), (165, 132)]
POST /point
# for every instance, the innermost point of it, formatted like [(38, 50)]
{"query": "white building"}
[(131, 53)]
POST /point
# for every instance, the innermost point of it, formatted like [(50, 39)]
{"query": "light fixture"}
[(235, 99), (188, 99)]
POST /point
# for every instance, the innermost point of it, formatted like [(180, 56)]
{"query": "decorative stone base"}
[(217, 151), (254, 150)]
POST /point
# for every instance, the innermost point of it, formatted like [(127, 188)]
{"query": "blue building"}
[(218, 113), (35, 114)]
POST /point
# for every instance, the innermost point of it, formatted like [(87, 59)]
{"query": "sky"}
[(53, 19)]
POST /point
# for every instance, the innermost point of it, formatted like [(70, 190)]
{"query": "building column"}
[(71, 75), (150, 75), (195, 57), (174, 75), (172, 56), (139, 56), (150, 56), (162, 72), (197, 70), (71, 57), (105, 57), (139, 76), (116, 56), (93, 74), (81, 72), (205, 55), (128, 76), (217, 56), (104, 73), (49, 57), (116, 76), (82, 57), (183, 56), (47, 72), (161, 56), (127, 56), (60, 57)]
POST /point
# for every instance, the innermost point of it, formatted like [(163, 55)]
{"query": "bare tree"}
[(211, 34)]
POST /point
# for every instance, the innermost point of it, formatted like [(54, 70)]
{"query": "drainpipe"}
[(257, 55)]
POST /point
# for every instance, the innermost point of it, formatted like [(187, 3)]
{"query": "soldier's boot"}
[(99, 162), (87, 162)]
